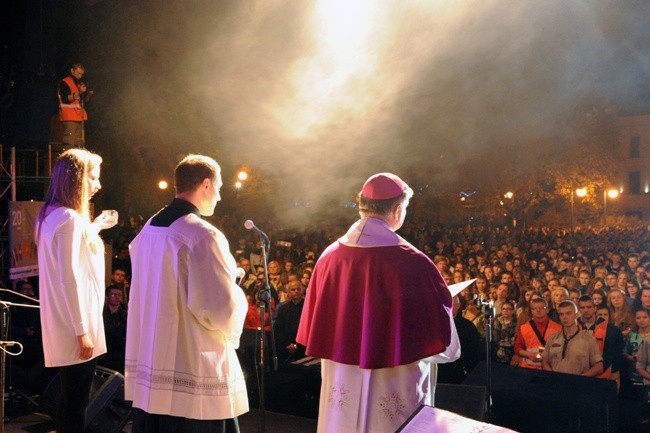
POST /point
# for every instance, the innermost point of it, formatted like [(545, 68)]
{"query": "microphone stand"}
[(264, 299), (4, 343), (489, 315)]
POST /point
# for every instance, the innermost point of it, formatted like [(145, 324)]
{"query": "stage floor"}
[(275, 423)]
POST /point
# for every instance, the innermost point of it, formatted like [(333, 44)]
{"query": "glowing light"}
[(238, 184), (581, 192), (509, 195), (612, 193), (163, 184), (335, 79), (242, 175)]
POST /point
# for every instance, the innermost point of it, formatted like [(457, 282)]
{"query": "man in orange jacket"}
[(72, 94), (532, 335)]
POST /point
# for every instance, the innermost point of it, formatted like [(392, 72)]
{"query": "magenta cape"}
[(375, 307)]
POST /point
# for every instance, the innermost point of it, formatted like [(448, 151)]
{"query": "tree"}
[(542, 172)]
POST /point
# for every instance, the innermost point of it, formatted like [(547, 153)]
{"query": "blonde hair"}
[(621, 317), (69, 184)]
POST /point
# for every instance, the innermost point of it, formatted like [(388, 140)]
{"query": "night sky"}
[(320, 94)]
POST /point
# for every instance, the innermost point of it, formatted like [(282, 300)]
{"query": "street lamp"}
[(611, 193), (580, 192)]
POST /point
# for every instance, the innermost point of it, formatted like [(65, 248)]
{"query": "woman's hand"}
[(106, 219), (85, 347)]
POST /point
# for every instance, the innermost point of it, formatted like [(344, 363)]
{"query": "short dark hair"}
[(586, 298), (539, 301), (368, 206), (603, 306), (192, 170), (112, 287), (568, 303)]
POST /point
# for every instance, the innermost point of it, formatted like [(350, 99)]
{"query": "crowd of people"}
[(609, 268), (577, 302)]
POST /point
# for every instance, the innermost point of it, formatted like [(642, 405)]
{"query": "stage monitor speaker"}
[(538, 401), (466, 400), (107, 411)]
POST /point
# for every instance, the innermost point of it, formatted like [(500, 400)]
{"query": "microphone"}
[(250, 225)]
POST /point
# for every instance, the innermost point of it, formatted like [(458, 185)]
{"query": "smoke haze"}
[(321, 94)]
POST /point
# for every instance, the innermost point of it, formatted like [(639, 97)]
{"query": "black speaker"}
[(538, 401), (107, 411), (465, 400)]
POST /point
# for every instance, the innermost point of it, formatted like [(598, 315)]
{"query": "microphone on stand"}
[(250, 225)]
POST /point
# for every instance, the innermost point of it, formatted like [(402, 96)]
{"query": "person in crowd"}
[(603, 312), (616, 266), (632, 379), (621, 280), (247, 282), (186, 314), (643, 300), (611, 281), (524, 314), (600, 297), (488, 273), (643, 361), (595, 284), (621, 312), (574, 295), (288, 268), (119, 279), (632, 264), (505, 328), (584, 277), (533, 335), (371, 361), (304, 280), (243, 249), (631, 292), (470, 353), (474, 314), (558, 294), (71, 272), (481, 288), (536, 283), (502, 297), (253, 318), (287, 319), (609, 337), (72, 93), (572, 350), (275, 280), (115, 326)]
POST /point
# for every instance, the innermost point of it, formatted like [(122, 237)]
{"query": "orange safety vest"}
[(600, 333), (71, 111), (531, 340)]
